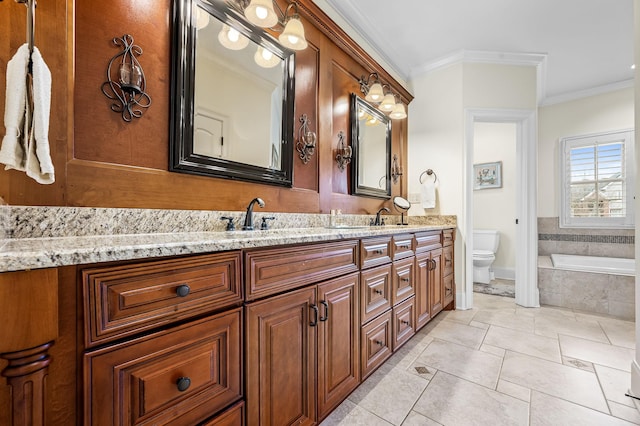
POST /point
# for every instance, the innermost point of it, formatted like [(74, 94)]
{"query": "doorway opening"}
[(525, 236)]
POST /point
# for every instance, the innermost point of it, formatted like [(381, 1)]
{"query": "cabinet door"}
[(338, 341), (280, 368), (435, 286), (376, 292), (376, 340), (403, 281), (422, 303)]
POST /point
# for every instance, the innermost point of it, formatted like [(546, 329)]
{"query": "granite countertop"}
[(31, 253)]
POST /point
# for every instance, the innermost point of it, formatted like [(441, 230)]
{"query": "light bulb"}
[(233, 35), (261, 12)]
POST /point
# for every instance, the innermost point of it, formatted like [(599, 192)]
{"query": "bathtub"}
[(599, 265)]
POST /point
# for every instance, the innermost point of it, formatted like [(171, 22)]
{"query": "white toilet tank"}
[(486, 239)]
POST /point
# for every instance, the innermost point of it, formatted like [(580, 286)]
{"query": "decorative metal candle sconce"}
[(344, 152), (126, 84), (306, 144), (396, 170)]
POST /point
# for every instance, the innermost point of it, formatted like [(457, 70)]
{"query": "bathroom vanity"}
[(264, 327)]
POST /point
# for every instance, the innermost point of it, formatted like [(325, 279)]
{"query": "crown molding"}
[(593, 91)]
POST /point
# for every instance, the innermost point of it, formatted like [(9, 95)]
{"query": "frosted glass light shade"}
[(232, 39), (388, 103), (293, 35), (375, 93), (398, 112), (261, 13), (266, 58), (202, 19)]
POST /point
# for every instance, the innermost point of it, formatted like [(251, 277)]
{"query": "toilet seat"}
[(483, 254)]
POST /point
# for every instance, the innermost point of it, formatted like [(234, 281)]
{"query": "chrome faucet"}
[(378, 221), (248, 220)]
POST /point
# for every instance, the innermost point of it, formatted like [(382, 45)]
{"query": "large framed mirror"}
[(232, 90), (371, 144)]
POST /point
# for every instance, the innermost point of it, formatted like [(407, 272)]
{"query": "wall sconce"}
[(396, 170), (127, 87), (267, 14), (306, 144), (374, 92), (344, 152)]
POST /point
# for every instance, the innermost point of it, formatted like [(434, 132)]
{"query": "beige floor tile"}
[(516, 391), (552, 327), (350, 414), (389, 393), (417, 419), (463, 316), (486, 302), (578, 363), (453, 401), (493, 350), (620, 333), (549, 411), (564, 382), (526, 343), (407, 354), (615, 383), (597, 353), (481, 325), (625, 412), (506, 319), (478, 367), (458, 333)]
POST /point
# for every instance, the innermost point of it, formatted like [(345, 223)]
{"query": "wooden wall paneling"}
[(51, 39), (101, 134), (306, 76)]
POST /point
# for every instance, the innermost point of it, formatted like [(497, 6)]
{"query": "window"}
[(597, 174)]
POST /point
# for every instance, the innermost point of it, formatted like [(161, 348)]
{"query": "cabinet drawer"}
[(425, 241), (178, 376), (447, 237), (123, 300), (403, 323), (376, 343), (271, 271), (447, 260), (375, 251), (375, 292), (232, 416), (403, 280), (402, 246)]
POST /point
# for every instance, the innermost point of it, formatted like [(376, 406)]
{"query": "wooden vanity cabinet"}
[(288, 337), (448, 281), (428, 288)]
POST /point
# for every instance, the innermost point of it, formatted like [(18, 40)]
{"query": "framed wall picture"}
[(487, 175)]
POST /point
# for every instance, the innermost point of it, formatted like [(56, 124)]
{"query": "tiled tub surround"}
[(586, 291), (41, 237), (591, 292), (584, 241)]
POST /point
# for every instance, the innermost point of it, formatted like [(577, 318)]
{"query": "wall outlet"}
[(414, 197)]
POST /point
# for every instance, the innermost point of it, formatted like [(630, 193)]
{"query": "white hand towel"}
[(23, 149), (428, 194)]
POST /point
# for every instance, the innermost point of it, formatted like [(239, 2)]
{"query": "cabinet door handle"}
[(379, 343), (434, 264), (183, 383), (405, 247), (378, 251), (377, 291), (314, 322), (405, 322), (326, 311), (405, 279), (183, 290)]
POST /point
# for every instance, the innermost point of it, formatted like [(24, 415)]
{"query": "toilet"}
[(485, 246)]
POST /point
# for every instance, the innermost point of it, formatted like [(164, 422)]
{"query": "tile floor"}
[(501, 364), (498, 286)]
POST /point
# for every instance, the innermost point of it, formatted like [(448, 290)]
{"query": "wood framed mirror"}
[(232, 87), (371, 144)]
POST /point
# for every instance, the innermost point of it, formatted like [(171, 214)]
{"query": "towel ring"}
[(428, 172)]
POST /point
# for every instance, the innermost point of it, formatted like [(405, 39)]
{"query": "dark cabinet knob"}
[(183, 383), (405, 322), (405, 279), (379, 343), (183, 290), (378, 251), (377, 291)]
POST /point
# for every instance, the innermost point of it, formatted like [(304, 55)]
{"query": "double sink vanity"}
[(217, 328)]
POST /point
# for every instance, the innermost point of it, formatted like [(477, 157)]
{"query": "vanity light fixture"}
[(374, 93), (265, 58), (267, 14), (232, 39), (388, 103), (396, 170), (126, 83), (344, 152), (372, 88), (306, 144), (398, 112)]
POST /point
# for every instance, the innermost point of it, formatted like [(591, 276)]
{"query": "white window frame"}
[(566, 144)]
